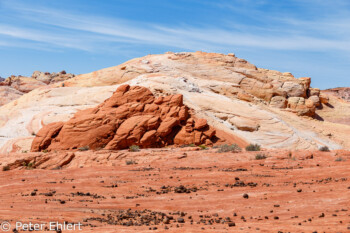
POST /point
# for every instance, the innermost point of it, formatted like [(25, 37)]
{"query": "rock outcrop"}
[(8, 94), (27, 84), (215, 86), (132, 116), (340, 92), (22, 84), (49, 78), (235, 77)]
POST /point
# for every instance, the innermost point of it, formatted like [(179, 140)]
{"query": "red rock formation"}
[(132, 116)]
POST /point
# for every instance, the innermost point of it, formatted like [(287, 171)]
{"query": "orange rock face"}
[(132, 116)]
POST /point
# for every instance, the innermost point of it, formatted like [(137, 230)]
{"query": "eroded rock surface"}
[(8, 94), (216, 87), (132, 116), (49, 78), (173, 190), (27, 84), (341, 92)]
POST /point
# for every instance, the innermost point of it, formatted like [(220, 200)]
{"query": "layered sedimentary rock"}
[(341, 92), (8, 94), (50, 78), (15, 86), (235, 77), (132, 116), (22, 84), (216, 87)]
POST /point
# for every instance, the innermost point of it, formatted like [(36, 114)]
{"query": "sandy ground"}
[(184, 190)]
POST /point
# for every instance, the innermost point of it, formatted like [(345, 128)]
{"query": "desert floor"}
[(184, 189)]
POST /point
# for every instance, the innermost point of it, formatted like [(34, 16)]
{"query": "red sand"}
[(322, 203)]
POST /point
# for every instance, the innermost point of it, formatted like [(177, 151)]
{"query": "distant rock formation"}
[(8, 94), (132, 116), (15, 86), (340, 92), (49, 78)]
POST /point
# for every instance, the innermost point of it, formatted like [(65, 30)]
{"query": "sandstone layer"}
[(15, 86), (341, 92), (255, 105)]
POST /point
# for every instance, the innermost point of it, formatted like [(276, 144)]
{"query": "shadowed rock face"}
[(132, 116)]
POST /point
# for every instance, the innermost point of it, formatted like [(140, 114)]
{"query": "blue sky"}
[(305, 37)]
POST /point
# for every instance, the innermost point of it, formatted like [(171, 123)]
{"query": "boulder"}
[(324, 98), (301, 106), (314, 92), (278, 102), (294, 102), (294, 89), (200, 124), (316, 100), (244, 124), (132, 116), (49, 78)]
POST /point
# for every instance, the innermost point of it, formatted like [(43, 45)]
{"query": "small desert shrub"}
[(134, 148), (339, 159), (324, 148), (203, 147), (5, 168), (130, 162), (28, 165), (229, 148), (260, 156), (45, 151), (84, 148), (253, 147)]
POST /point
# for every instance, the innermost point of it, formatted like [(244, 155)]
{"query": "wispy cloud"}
[(93, 33)]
